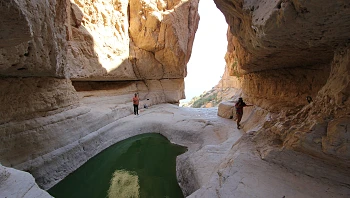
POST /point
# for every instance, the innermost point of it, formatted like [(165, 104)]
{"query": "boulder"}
[(226, 109), (15, 183)]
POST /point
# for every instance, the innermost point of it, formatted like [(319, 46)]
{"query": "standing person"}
[(239, 110), (135, 101)]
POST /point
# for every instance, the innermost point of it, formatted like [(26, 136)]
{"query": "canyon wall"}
[(281, 52), (69, 68), (95, 40), (130, 40), (57, 56)]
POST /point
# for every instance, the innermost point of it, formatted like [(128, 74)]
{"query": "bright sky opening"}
[(207, 63)]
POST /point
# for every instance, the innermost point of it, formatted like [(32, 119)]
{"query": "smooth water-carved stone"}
[(226, 109), (15, 183)]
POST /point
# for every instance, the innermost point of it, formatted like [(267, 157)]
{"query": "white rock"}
[(15, 183)]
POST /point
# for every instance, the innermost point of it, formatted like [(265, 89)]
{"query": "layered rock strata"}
[(102, 123), (99, 41), (282, 34), (130, 40), (53, 54), (95, 40), (69, 68), (283, 52), (56, 56), (218, 160)]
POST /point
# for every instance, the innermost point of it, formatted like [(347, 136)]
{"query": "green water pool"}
[(141, 166)]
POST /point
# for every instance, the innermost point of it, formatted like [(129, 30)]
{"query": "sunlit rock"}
[(227, 109), (15, 183), (284, 53), (130, 40), (70, 68)]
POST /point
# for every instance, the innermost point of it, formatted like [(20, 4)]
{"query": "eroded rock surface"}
[(33, 38), (282, 52), (15, 183), (28, 97), (227, 109), (130, 40), (280, 34), (69, 69), (242, 173), (90, 40), (55, 54)]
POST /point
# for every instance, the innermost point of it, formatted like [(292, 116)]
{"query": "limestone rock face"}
[(45, 46), (98, 40), (30, 97), (282, 52), (130, 40), (336, 140), (69, 69), (32, 38), (279, 34), (90, 40), (226, 109), (15, 183), (53, 54), (325, 131)]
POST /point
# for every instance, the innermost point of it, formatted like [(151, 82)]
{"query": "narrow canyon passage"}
[(207, 64), (69, 70)]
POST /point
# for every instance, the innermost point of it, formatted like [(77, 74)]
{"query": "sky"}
[(207, 62)]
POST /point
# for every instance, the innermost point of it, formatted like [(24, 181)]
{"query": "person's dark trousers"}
[(136, 109)]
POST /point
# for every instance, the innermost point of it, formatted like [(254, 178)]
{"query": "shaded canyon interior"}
[(56, 54)]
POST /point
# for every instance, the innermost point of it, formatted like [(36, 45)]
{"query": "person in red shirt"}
[(135, 101), (239, 110)]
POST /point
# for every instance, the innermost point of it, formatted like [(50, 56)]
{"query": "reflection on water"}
[(142, 166), (124, 184)]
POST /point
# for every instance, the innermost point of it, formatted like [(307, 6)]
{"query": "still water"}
[(141, 166)]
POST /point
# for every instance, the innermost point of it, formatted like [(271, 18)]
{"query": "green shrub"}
[(204, 100)]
